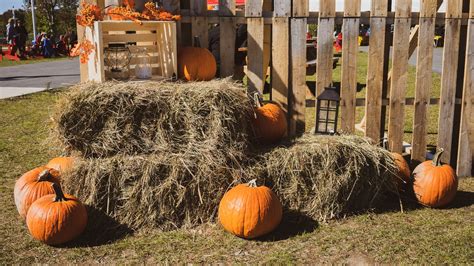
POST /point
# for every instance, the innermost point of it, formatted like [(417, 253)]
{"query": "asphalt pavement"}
[(29, 78)]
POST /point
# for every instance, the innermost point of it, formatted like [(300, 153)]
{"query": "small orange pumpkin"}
[(196, 63), (61, 164), (249, 211), (57, 218), (403, 175), (33, 185), (435, 184), (270, 123)]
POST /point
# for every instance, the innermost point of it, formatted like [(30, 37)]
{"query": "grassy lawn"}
[(419, 235), (7, 63)]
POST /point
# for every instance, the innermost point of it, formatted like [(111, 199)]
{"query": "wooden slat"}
[(466, 135), (167, 49), (253, 8), (373, 106), (401, 38), (226, 7), (327, 9), (255, 74), (350, 34), (448, 78), (280, 62), (95, 65), (424, 80), (130, 25), (325, 45), (199, 24), (281, 8), (385, 102), (227, 46), (148, 37), (298, 77), (81, 31), (300, 8), (200, 29)]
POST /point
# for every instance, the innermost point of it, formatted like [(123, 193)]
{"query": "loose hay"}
[(100, 120), (328, 177)]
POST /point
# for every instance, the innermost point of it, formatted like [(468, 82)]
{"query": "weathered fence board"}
[(227, 37), (401, 39), (255, 74), (423, 79), (373, 104), (350, 48), (298, 76), (466, 137), (325, 45), (280, 61), (448, 77)]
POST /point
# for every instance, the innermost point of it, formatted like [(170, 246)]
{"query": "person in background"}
[(21, 37), (61, 48), (47, 46), (11, 35)]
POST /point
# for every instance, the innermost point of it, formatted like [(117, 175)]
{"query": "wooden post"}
[(298, 68), (423, 79), (227, 37), (401, 39), (448, 77), (465, 166), (199, 21), (327, 13), (350, 49), (373, 104), (255, 30), (281, 53)]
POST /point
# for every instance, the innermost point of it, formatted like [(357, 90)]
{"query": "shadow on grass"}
[(463, 199), (292, 224), (101, 229)]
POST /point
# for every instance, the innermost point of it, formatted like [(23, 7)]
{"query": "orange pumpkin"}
[(57, 218), (33, 185), (270, 123), (196, 63), (435, 184), (403, 175), (249, 211), (61, 164)]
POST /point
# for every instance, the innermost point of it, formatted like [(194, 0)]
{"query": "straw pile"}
[(161, 155), (101, 120), (328, 177)]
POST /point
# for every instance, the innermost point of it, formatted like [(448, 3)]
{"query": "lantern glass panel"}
[(332, 115)]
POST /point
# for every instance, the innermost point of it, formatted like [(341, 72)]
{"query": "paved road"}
[(437, 58), (24, 79)]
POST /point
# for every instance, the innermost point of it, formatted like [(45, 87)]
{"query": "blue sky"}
[(313, 4), (7, 4)]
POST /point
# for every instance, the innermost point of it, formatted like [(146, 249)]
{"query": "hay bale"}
[(164, 191), (108, 119), (328, 177)]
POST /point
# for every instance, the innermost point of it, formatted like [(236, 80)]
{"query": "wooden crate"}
[(159, 37)]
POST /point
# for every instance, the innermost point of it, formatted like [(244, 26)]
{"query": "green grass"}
[(419, 235), (8, 63)]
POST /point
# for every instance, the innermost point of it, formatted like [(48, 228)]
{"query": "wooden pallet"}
[(159, 37)]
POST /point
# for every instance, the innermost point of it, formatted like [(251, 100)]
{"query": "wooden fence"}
[(280, 27)]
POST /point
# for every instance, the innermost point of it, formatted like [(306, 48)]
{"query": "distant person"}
[(21, 35), (47, 46), (61, 48), (10, 31)]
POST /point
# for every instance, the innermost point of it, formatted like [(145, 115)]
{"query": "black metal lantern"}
[(327, 110), (117, 61)]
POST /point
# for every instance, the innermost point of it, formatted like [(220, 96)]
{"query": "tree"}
[(59, 14)]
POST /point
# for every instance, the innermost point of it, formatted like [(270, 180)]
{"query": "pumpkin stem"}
[(59, 193), (437, 157), (252, 183), (45, 175), (257, 100)]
